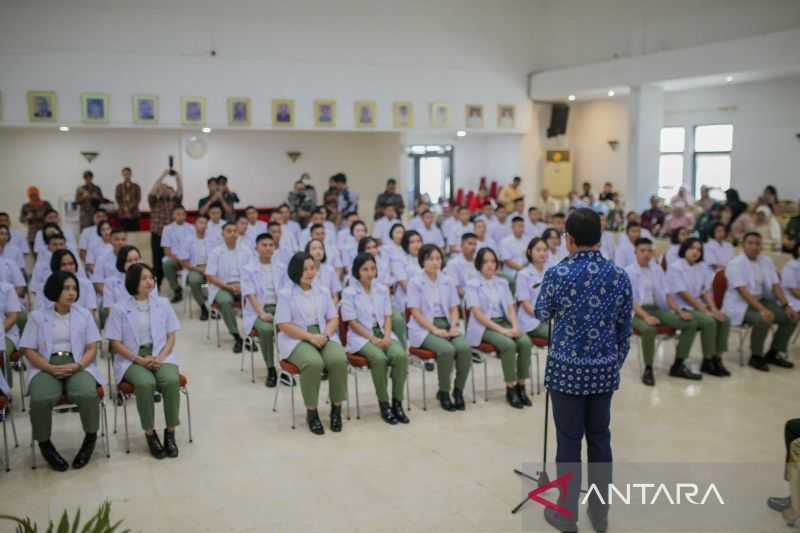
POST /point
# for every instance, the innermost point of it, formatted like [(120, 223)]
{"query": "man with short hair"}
[(482, 235), (654, 305), (214, 226), (128, 195), (162, 199), (429, 232), (518, 208), (299, 199), (290, 229), (752, 285), (259, 289), (41, 269), (255, 227), (500, 227), (461, 267), (653, 218), (589, 301), (175, 240), (384, 224), (625, 253), (88, 197), (534, 226), (513, 249), (347, 201), (607, 194), (106, 262), (89, 236), (224, 274), (511, 192), (195, 262), (548, 205), (52, 217), (387, 198), (458, 228), (608, 241), (229, 198)]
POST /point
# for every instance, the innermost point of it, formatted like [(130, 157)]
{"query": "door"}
[(432, 168)]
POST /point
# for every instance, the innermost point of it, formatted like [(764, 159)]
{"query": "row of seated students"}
[(293, 278)]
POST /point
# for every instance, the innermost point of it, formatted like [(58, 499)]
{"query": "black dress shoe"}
[(512, 397), (458, 400), (444, 401), (156, 450), (272, 377), (52, 457), (724, 372), (237, 344), (779, 504), (598, 519), (647, 376), (399, 414), (680, 370), (177, 297), (778, 359), (336, 418), (386, 413), (759, 363), (709, 366), (559, 522), (204, 313), (85, 453), (314, 423), (523, 395), (170, 448)]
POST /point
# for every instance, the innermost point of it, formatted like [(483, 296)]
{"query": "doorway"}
[(431, 166)]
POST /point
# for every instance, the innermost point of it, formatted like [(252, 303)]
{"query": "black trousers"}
[(576, 417), (158, 254), (791, 432), (129, 224)]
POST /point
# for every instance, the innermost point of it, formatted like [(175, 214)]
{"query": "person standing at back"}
[(88, 197), (162, 199), (590, 301), (128, 195)]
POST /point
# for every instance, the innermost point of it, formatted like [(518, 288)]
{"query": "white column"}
[(646, 117)]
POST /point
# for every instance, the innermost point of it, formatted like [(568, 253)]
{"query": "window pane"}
[(716, 138), (712, 170), (670, 175), (673, 139)]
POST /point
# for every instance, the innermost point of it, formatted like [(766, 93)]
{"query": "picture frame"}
[(473, 116), (145, 109), (364, 111), (283, 113), (440, 115), (42, 106), (94, 108), (193, 110), (403, 114), (239, 111), (325, 113), (506, 116)]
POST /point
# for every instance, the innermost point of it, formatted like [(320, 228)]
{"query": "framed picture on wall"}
[(42, 106), (505, 116), (325, 113), (365, 114), (193, 110), (403, 113), (145, 109), (473, 116), (283, 113), (94, 108), (440, 115), (239, 111)]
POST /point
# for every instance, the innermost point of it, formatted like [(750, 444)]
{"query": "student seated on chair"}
[(366, 307), (334, 260), (458, 228), (60, 345), (625, 254), (493, 319), (175, 240), (326, 277), (10, 251), (348, 247), (195, 263), (555, 248), (676, 238), (434, 325), (653, 306), (689, 280), (406, 266), (382, 227), (214, 227), (99, 246), (393, 247), (90, 235), (529, 282), (308, 324), (224, 274), (512, 249), (482, 236), (114, 290), (243, 238), (41, 269), (751, 277), (9, 273), (260, 290), (53, 219), (142, 331), (428, 231), (461, 267), (10, 307), (790, 277), (255, 227), (386, 277), (718, 251), (105, 264), (65, 261)]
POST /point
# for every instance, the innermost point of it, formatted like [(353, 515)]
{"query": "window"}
[(670, 163), (712, 158)]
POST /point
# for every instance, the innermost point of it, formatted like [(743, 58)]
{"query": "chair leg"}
[(358, 401), (188, 413), (252, 364), (485, 380), (472, 365), (13, 429), (208, 325), (125, 422), (277, 389), (5, 441), (293, 426), (408, 395), (33, 454), (104, 422), (538, 376), (216, 322), (241, 362), (424, 395), (22, 389)]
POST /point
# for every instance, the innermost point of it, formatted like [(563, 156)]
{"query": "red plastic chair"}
[(418, 357)]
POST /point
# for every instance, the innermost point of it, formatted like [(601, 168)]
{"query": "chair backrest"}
[(718, 287), (343, 326), (664, 262)]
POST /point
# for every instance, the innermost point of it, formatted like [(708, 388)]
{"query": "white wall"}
[(255, 162)]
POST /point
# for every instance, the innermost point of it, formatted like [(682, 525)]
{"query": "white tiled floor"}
[(247, 471)]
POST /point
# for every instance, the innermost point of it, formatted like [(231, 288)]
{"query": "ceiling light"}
[(63, 128), (571, 98), (206, 130), (611, 92), (461, 133), (729, 78)]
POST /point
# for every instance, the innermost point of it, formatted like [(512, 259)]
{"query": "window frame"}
[(681, 153), (695, 153)]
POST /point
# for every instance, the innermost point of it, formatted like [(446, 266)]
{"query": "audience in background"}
[(769, 198), (767, 226), (33, 213), (548, 205), (163, 199), (128, 195), (679, 217), (682, 197), (736, 206), (229, 198), (511, 192), (607, 194), (389, 197), (88, 198), (653, 218)]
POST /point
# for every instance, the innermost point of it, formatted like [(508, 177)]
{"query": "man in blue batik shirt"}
[(589, 300)]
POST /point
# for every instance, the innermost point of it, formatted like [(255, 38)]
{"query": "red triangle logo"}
[(563, 488)]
